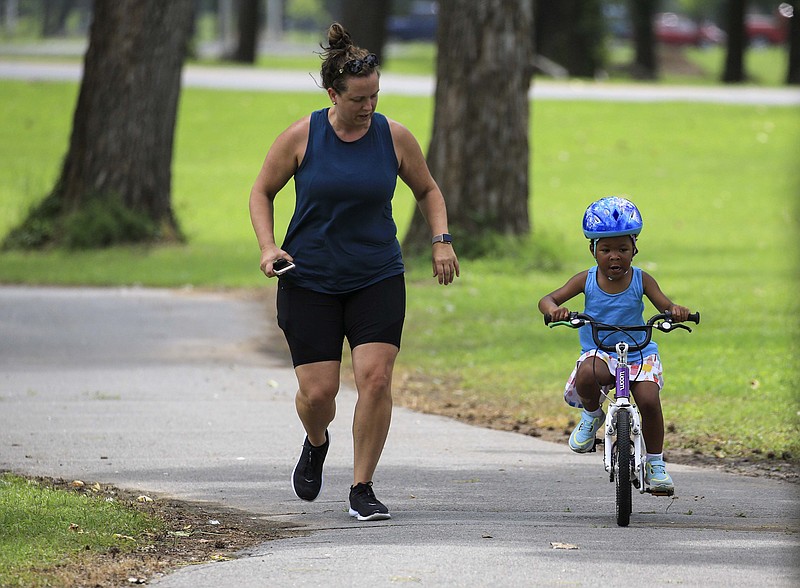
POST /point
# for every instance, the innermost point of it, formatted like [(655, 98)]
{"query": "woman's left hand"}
[(445, 263)]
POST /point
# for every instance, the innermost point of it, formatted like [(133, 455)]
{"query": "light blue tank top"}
[(625, 308), (342, 235)]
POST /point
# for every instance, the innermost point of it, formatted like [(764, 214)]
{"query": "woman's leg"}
[(373, 364), (316, 397)]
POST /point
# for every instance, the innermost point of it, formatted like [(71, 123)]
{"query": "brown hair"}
[(340, 50)]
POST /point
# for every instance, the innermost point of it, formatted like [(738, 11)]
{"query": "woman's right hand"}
[(268, 258)]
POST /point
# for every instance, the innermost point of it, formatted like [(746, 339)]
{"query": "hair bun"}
[(338, 38)]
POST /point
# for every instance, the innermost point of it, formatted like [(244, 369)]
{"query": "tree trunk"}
[(570, 33), (645, 64), (120, 153), (365, 20), (249, 21), (793, 72), (11, 16), (737, 43), (55, 17), (275, 20), (479, 150)]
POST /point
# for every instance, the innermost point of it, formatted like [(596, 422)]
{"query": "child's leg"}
[(648, 400), (584, 387), (591, 375), (649, 403)]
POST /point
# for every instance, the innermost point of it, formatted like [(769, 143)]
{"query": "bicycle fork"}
[(622, 402)]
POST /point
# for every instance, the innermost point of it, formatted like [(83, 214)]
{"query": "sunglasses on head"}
[(356, 66)]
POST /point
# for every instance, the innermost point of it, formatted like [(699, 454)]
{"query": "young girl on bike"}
[(613, 292)]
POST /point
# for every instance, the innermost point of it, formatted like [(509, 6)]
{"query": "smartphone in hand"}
[(281, 266)]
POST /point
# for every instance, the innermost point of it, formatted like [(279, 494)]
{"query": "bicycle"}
[(624, 448)]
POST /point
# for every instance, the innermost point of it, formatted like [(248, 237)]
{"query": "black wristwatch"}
[(443, 238)]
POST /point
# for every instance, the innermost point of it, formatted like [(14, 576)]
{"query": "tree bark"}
[(120, 151), (479, 150), (124, 123), (365, 20), (55, 17), (793, 71), (645, 63), (249, 20), (570, 33), (733, 72)]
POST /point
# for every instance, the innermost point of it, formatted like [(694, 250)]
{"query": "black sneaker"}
[(364, 506), (307, 474)]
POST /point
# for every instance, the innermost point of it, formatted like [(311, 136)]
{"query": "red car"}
[(766, 30), (677, 29)]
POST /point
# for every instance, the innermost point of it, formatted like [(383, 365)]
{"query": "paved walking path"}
[(190, 394), (248, 78)]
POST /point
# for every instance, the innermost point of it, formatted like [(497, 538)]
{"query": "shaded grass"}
[(717, 185), (764, 66)]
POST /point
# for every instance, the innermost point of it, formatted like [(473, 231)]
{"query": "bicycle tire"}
[(623, 465)]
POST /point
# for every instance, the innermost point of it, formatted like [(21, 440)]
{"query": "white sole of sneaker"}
[(378, 516)]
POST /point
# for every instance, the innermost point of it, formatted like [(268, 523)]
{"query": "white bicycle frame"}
[(622, 402)]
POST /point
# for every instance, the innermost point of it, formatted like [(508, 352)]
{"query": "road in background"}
[(248, 78)]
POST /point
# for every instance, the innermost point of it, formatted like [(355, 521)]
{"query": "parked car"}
[(677, 29), (765, 30), (419, 24)]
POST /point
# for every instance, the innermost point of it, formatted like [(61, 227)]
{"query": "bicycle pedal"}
[(660, 491), (596, 443)]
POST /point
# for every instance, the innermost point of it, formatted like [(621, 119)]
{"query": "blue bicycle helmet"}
[(611, 216)]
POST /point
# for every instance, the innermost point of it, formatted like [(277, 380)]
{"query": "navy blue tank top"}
[(342, 235)]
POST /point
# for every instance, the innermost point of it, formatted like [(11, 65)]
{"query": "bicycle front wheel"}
[(622, 452)]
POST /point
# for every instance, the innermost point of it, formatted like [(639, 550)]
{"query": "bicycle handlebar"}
[(579, 319)]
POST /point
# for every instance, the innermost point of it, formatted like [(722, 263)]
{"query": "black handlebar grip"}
[(547, 318), (694, 317)]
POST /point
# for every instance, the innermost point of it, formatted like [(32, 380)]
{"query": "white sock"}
[(652, 456), (595, 413)]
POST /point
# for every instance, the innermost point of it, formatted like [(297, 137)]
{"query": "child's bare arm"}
[(660, 300), (552, 303)]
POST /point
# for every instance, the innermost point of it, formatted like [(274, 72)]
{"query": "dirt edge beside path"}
[(194, 533)]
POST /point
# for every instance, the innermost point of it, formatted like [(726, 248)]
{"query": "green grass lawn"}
[(717, 185), (764, 66), (41, 526)]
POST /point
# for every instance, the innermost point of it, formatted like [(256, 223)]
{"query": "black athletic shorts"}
[(316, 324)]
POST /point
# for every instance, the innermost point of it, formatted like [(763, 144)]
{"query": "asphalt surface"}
[(190, 394)]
